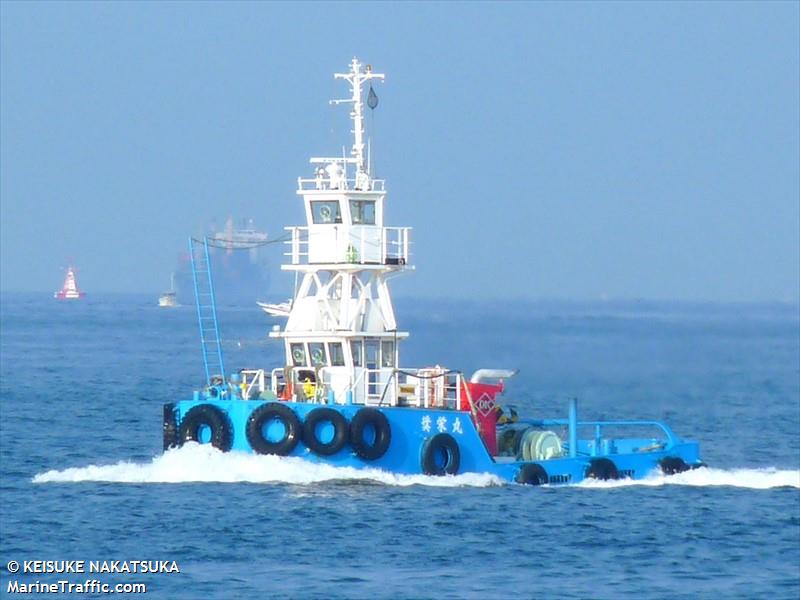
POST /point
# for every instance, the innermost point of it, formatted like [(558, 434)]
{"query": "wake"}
[(754, 479), (205, 464)]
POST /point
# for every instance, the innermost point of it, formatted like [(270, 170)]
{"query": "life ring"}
[(170, 427), (441, 455), (603, 469), (263, 415), (317, 417), (672, 464), (532, 474), (370, 433), (206, 415)]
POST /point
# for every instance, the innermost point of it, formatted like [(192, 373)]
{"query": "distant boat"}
[(69, 291), (281, 309), (169, 299)]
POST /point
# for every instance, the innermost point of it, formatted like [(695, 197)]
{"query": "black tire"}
[(170, 427), (672, 464), (441, 445), (603, 469), (366, 449), (206, 415), (532, 474), (322, 415), (272, 411)]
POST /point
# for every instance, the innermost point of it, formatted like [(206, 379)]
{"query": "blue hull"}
[(412, 448)]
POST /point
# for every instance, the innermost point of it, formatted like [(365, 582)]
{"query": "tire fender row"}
[(369, 432)]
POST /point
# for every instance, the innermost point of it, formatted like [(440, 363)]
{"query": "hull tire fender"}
[(264, 414), (206, 415), (340, 431), (672, 464), (603, 469), (170, 427), (532, 474), (441, 455), (365, 448)]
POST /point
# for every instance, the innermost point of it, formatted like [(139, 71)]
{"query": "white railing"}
[(355, 245), (423, 388), (306, 384), (277, 382), (431, 387), (253, 383), (298, 245), (324, 183)]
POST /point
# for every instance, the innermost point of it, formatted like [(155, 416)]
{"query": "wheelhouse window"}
[(387, 354), (362, 212), (371, 349), (324, 212), (337, 354), (298, 355), (317, 352), (355, 348)]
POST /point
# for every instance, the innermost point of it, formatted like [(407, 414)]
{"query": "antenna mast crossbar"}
[(356, 78)]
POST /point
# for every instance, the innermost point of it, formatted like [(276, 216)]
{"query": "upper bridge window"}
[(325, 211), (362, 212)]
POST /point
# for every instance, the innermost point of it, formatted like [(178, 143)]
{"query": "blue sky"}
[(539, 150)]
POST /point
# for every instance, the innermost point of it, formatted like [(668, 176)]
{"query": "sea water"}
[(83, 476)]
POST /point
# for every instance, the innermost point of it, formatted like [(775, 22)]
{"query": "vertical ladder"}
[(206, 309)]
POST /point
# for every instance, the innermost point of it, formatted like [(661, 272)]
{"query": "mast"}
[(356, 77)]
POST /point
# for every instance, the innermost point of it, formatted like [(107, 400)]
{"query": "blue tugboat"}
[(340, 396)]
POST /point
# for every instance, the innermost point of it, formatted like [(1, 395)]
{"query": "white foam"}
[(204, 463), (756, 479)]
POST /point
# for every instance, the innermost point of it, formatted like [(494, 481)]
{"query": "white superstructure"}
[(341, 331)]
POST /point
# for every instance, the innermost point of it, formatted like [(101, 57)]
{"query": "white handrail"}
[(393, 245), (258, 379)]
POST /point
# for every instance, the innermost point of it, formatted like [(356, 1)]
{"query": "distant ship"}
[(238, 263), (170, 298), (69, 291)]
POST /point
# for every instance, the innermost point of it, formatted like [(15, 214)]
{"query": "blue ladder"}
[(206, 309)]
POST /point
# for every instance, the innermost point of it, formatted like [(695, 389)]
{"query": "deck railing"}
[(430, 387), (669, 440), (351, 245), (253, 383), (324, 183)]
